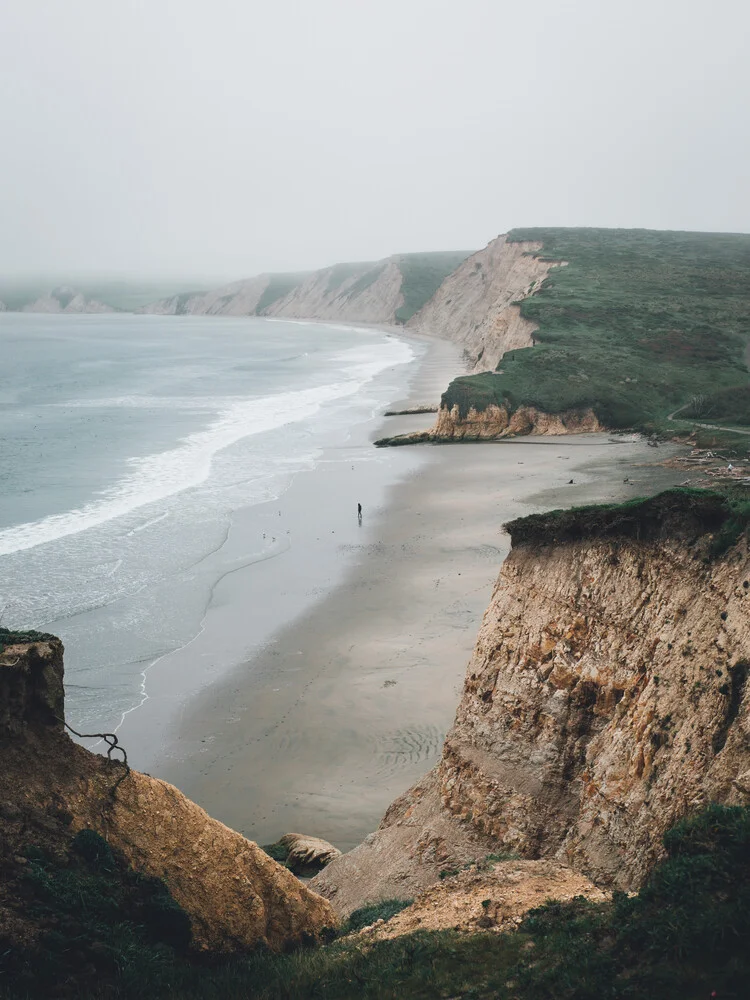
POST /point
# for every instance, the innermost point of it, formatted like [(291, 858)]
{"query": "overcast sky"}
[(228, 137)]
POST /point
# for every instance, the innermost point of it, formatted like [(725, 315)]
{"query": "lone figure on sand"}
[(359, 511)]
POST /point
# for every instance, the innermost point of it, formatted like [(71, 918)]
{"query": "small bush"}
[(367, 915)]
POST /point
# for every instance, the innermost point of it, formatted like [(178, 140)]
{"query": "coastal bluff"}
[(235, 896), (606, 699)]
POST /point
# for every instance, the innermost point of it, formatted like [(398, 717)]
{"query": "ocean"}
[(130, 444)]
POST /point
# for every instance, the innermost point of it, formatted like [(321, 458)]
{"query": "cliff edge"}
[(478, 304), (607, 697), (235, 896)]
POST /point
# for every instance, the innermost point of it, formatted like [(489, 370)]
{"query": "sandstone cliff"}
[(386, 291), (606, 698), (236, 897), (66, 300), (240, 298), (495, 422), (475, 307), (365, 293)]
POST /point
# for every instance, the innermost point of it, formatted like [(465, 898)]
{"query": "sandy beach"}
[(321, 728)]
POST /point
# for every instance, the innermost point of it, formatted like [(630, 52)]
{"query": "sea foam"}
[(156, 477)]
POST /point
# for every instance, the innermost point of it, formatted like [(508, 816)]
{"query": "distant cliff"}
[(608, 696), (52, 790), (386, 291), (66, 300)]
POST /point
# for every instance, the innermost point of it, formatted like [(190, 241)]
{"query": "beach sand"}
[(338, 713)]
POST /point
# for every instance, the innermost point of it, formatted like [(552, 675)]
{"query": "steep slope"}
[(477, 305), (607, 697), (235, 896), (386, 291), (636, 325), (240, 298)]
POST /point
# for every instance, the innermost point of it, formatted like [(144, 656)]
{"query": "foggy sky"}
[(228, 137)]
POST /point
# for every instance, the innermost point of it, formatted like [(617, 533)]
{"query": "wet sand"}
[(342, 710)]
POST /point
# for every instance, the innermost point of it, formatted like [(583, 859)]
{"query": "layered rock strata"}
[(607, 697), (497, 422)]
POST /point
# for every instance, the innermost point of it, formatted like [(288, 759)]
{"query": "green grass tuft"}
[(367, 915)]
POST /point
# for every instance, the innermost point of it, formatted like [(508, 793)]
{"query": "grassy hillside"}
[(107, 933), (637, 324), (279, 286), (423, 273)]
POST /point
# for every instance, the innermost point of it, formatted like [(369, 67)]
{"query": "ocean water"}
[(128, 444)]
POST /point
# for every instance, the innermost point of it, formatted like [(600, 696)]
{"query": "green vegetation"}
[(9, 637), (683, 936), (422, 275), (685, 512), (367, 915), (278, 851), (98, 919), (731, 404), (279, 286), (637, 324), (342, 272), (364, 281)]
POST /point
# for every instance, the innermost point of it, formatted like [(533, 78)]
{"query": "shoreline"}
[(348, 704), (313, 542)]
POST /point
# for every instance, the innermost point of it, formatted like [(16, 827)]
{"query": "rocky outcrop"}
[(607, 697), (497, 422), (491, 897), (307, 855), (66, 300), (476, 305), (237, 898)]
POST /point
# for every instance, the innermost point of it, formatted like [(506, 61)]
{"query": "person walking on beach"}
[(359, 512)]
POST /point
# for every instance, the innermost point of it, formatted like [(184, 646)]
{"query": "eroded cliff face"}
[(370, 294), (365, 293), (474, 305), (497, 422), (607, 697), (240, 298), (236, 897)]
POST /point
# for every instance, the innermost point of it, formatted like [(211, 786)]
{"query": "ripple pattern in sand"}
[(407, 747)]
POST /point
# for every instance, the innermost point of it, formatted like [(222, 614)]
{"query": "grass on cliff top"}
[(278, 287), (422, 275), (637, 324), (685, 935), (10, 637), (679, 512)]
